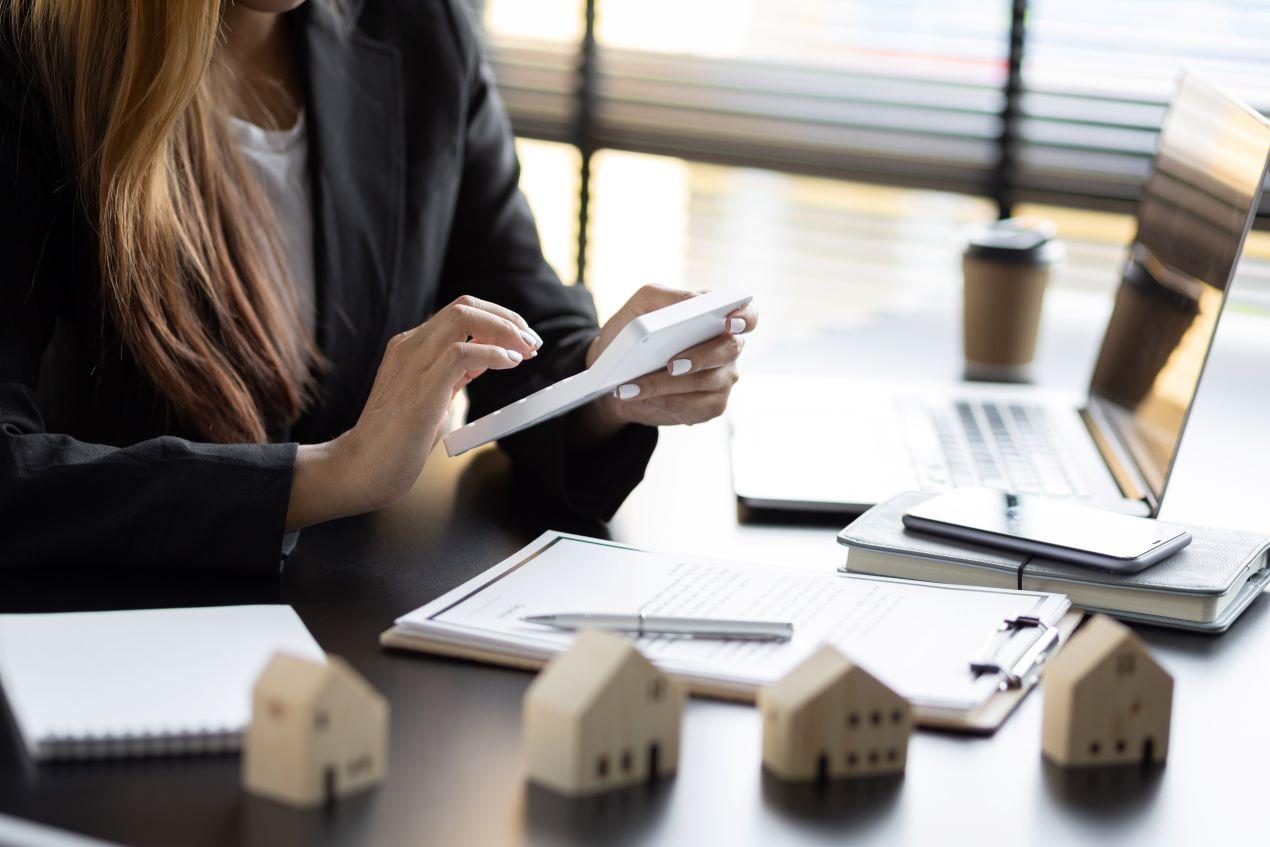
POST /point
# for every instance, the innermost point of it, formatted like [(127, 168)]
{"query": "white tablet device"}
[(644, 345)]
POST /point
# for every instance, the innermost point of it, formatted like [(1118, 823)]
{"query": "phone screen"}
[(1047, 521)]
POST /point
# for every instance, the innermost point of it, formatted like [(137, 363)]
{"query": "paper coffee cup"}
[(1006, 267)]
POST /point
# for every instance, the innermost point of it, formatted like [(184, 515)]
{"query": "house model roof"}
[(575, 678), (297, 679), (810, 678), (1094, 643)]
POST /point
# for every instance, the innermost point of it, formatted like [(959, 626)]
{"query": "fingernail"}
[(736, 325), (537, 337), (514, 356), (530, 339), (627, 391), (679, 367)]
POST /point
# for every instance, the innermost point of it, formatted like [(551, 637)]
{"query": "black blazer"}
[(415, 201)]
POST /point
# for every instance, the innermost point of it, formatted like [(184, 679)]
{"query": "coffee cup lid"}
[(1023, 240)]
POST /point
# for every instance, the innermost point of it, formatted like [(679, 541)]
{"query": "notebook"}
[(147, 682), (1204, 587), (920, 639)]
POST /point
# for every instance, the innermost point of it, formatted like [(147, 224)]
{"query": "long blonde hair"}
[(188, 248)]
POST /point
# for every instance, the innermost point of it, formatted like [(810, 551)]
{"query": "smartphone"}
[(1056, 529)]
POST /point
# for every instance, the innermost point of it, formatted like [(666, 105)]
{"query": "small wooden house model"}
[(318, 732), (1107, 701), (600, 716), (830, 718)]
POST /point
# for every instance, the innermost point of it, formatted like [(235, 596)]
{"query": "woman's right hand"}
[(376, 462)]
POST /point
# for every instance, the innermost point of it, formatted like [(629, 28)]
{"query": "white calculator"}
[(644, 345)]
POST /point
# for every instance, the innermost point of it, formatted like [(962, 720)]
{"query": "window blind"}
[(907, 92), (903, 92), (537, 81), (1096, 80)]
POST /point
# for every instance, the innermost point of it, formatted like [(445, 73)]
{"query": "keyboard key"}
[(1003, 445)]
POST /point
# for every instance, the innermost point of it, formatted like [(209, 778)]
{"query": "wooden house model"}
[(1107, 701), (830, 718), (318, 732), (600, 716)]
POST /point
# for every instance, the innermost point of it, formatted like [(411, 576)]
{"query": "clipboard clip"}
[(1014, 674)]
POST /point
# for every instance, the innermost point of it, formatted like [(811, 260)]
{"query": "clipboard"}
[(1013, 652)]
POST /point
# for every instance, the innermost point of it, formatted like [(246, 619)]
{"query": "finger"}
[(501, 311), (460, 357), (437, 434), (678, 409), (645, 412), (462, 322), (715, 353), (478, 339), (649, 298), (662, 384), (744, 319), (464, 381)]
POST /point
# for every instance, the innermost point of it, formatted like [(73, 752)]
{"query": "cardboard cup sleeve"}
[(1002, 315)]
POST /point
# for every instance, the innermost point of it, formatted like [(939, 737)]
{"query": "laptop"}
[(1112, 448)]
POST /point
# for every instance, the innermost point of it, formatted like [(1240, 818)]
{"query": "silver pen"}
[(654, 625)]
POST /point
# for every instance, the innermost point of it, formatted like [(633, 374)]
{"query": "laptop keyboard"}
[(984, 442)]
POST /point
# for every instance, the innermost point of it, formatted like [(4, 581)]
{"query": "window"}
[(1096, 77), (1050, 102), (533, 47), (898, 92), (695, 225), (549, 178)]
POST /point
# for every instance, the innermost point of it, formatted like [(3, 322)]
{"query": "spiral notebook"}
[(137, 683)]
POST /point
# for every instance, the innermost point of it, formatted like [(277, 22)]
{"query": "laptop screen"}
[(1192, 218)]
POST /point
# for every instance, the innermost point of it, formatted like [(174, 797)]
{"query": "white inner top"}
[(280, 159)]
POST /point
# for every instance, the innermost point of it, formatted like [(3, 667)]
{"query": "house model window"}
[(829, 718)]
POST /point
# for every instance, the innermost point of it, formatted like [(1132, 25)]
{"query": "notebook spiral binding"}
[(85, 746)]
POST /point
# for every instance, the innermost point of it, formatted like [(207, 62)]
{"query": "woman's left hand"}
[(695, 384)]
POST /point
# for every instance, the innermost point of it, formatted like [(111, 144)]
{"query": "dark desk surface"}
[(455, 774)]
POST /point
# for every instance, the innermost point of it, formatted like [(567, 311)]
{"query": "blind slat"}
[(898, 92)]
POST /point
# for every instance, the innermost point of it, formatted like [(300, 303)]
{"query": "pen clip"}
[(1015, 674)]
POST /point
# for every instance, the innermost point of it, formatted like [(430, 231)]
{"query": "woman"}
[(247, 260)]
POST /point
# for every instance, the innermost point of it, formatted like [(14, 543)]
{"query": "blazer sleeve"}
[(494, 254), (165, 503)]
